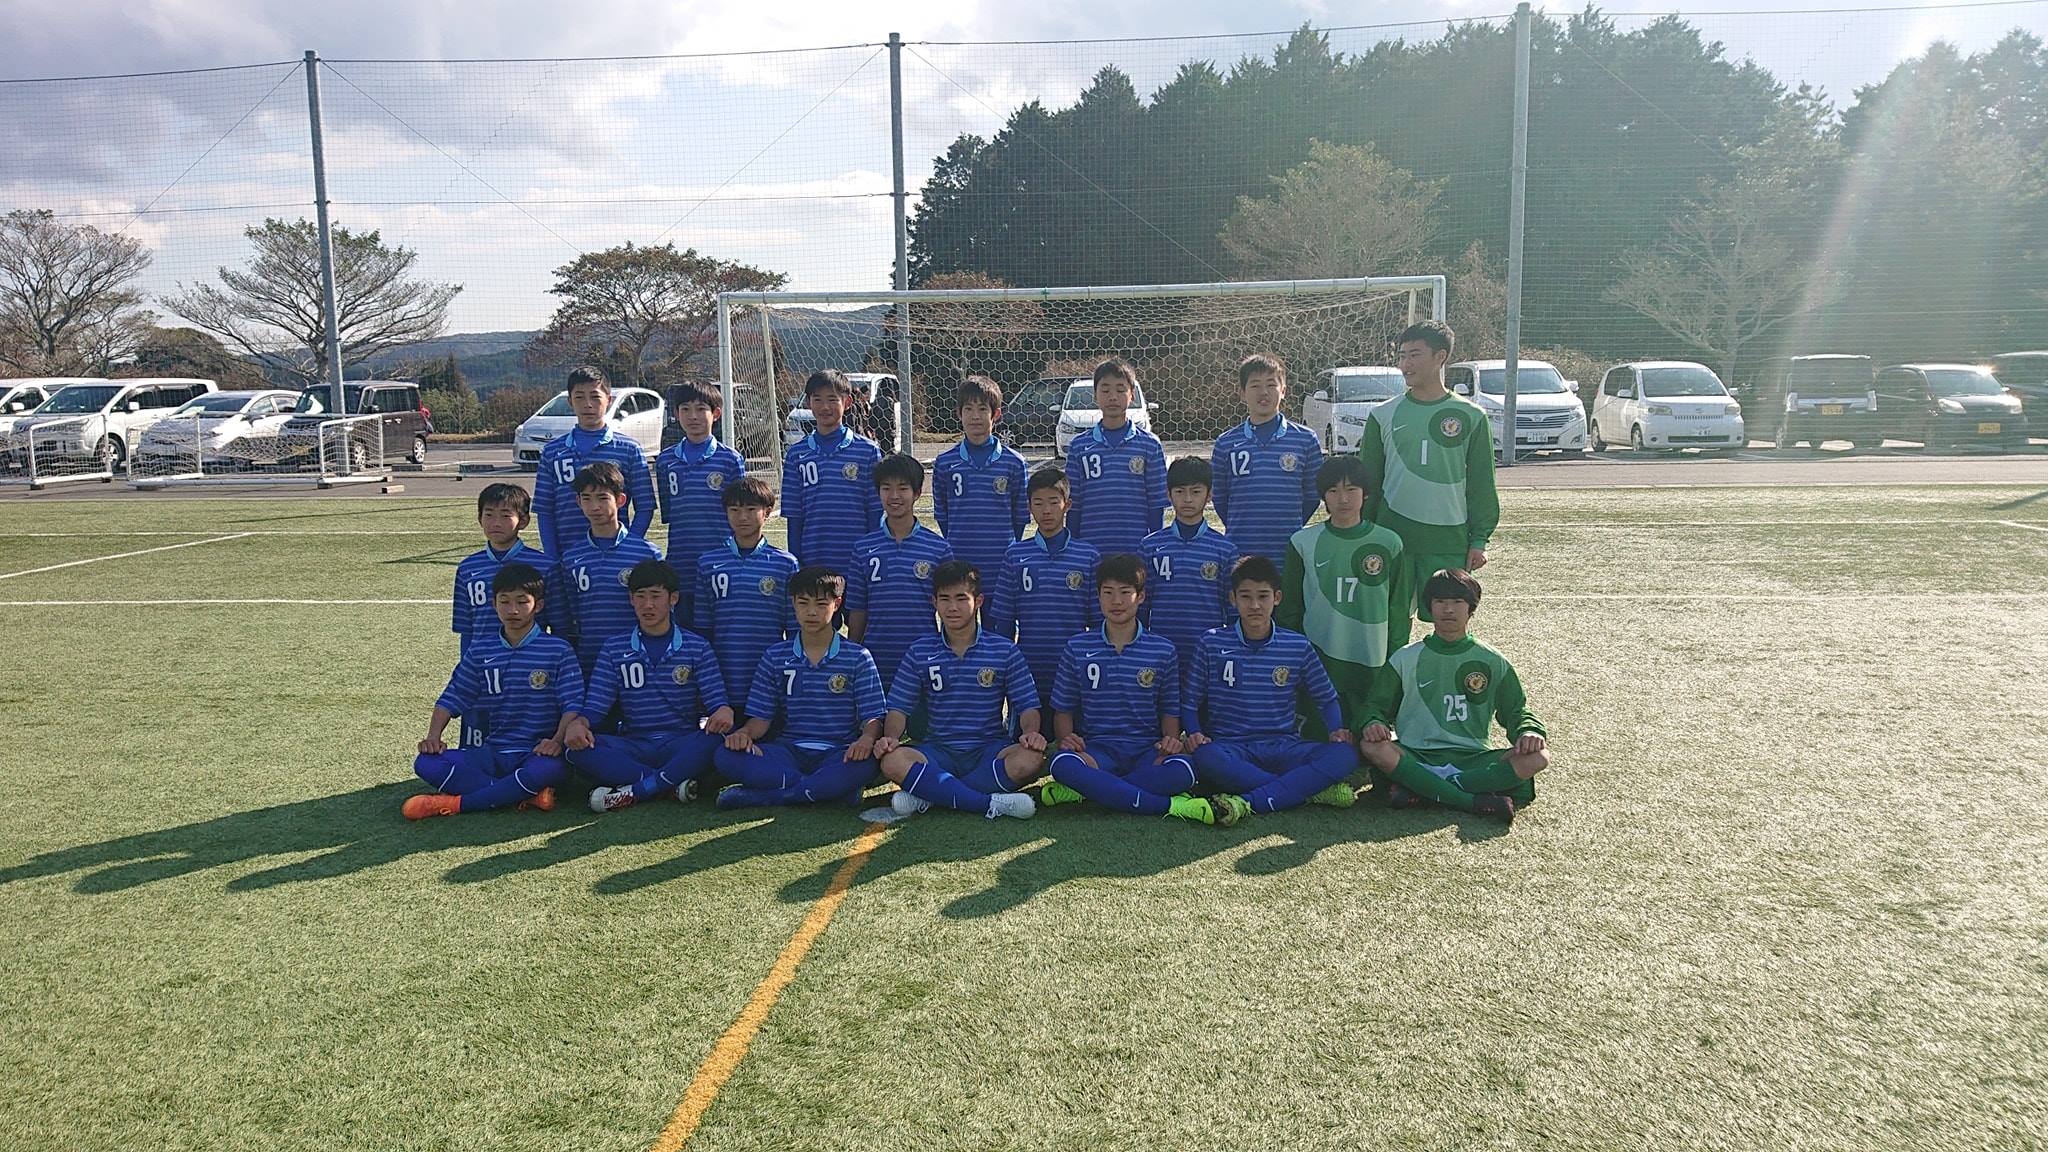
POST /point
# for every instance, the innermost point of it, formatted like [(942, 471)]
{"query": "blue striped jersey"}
[(1116, 693), (476, 612), (661, 685), (742, 605), (594, 572), (555, 513), (892, 582), (979, 501), (828, 497), (516, 693), (689, 481), (1045, 594), (963, 695), (1265, 483), (1118, 483), (824, 703), (1187, 584), (1237, 689)]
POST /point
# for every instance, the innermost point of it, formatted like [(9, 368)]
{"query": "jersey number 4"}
[(1230, 673)]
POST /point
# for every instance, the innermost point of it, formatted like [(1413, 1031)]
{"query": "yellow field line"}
[(732, 1047)]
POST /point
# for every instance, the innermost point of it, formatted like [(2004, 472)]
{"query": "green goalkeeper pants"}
[(1453, 778), (1353, 682)]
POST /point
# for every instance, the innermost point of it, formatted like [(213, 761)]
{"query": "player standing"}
[(742, 603), (1265, 468), (1047, 590), (889, 592), (1116, 470), (828, 479), (689, 481), (978, 492), (1345, 588), (1188, 592), (565, 457)]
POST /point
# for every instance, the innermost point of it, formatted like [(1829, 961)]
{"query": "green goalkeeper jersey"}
[(1442, 697), (1431, 471), (1347, 590)]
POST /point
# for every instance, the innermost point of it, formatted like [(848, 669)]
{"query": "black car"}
[(1947, 404), (2025, 375), (1816, 398), (1032, 416), (399, 433)]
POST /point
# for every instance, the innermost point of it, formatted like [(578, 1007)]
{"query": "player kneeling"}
[(1116, 687), (518, 684), (1442, 696), (1239, 708), (821, 693), (962, 678), (665, 683)]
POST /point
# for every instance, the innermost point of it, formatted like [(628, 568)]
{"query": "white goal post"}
[(1185, 340)]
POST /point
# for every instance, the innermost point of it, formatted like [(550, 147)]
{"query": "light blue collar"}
[(844, 438), (616, 540), (517, 547), (530, 634), (1239, 629), (1135, 636), (675, 640), (682, 449), (797, 646)]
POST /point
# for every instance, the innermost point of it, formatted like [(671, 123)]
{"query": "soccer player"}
[(520, 684), (1442, 695), (1188, 592), (664, 681), (1265, 468), (961, 679), (978, 484), (565, 457), (1429, 464), (889, 594), (822, 696), (1116, 712), (1047, 590), (1237, 709), (503, 511), (1345, 587), (828, 484), (742, 603), (690, 480), (1117, 470), (593, 571)]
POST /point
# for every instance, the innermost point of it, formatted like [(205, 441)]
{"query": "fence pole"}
[(904, 391), (775, 421), (330, 309), (734, 434), (1518, 186)]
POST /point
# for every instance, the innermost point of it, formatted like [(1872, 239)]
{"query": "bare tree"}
[(67, 298), (274, 310), (1344, 211), (648, 311)]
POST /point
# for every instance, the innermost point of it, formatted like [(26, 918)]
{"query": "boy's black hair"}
[(903, 468), (1122, 568), (603, 475), (653, 574), (695, 392), (1050, 476), (1116, 366), (1249, 569), (1188, 470), (979, 390), (1435, 333), (589, 374), (817, 582), (827, 378), (1345, 469), (502, 493), (754, 491), (953, 574), (1452, 584), (520, 578), (1256, 363)]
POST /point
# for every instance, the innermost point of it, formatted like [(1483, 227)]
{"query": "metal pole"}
[(768, 362), (329, 307), (733, 434), (904, 391), (1518, 186)]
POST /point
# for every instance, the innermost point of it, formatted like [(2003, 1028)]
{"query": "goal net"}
[(1184, 339)]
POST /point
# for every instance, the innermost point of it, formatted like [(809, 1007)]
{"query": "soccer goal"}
[(218, 449), (906, 351)]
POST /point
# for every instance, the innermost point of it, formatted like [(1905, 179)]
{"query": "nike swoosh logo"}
[(1322, 563)]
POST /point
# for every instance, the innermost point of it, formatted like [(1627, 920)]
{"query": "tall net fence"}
[(1728, 188)]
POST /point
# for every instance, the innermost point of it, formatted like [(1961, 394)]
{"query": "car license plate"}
[(1831, 409), (1987, 428)]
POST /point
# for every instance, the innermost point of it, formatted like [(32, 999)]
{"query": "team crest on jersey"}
[(1280, 676), (986, 677), (537, 680), (837, 683), (1002, 485), (1474, 678), (715, 481), (1475, 682), (623, 574), (767, 585), (851, 471), (923, 568), (1074, 580), (1138, 465), (1147, 677), (1371, 564), (1211, 569), (681, 675), (1289, 462), (1450, 426)]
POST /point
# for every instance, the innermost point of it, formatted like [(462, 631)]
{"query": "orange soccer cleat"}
[(431, 804), (543, 801)]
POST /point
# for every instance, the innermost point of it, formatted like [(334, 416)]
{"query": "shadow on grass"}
[(2021, 502), (368, 510), (439, 557)]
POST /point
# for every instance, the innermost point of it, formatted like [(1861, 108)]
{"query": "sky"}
[(497, 172)]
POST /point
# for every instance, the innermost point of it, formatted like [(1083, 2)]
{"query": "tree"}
[(1479, 306), (651, 311), (188, 352), (506, 408), (274, 311), (68, 305), (1345, 211), (457, 412), (445, 376)]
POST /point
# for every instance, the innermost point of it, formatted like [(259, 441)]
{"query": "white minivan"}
[(1665, 405), (1342, 398), (1549, 416), (102, 419)]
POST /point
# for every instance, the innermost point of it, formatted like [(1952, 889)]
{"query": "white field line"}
[(122, 555), (1847, 598), (2028, 527), (182, 603), (249, 532)]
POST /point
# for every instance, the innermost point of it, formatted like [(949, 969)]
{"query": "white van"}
[(1666, 405), (1342, 398), (1549, 416), (102, 418)]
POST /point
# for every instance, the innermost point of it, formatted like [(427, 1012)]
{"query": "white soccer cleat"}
[(1018, 804), (688, 791), (610, 799), (904, 804)]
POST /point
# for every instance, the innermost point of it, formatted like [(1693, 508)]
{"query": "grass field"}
[(1786, 887)]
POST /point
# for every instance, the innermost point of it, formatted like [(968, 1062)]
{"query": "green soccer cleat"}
[(1229, 809), (1191, 808), (1053, 792), (1338, 795)]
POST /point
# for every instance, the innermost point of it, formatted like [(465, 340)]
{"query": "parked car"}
[(21, 396), (1938, 404), (405, 424), (2025, 375), (1349, 391), (636, 413), (1665, 404), (876, 409), (102, 418), (235, 429), (755, 438), (1549, 416), (1032, 416), (1078, 413), (1818, 398)]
